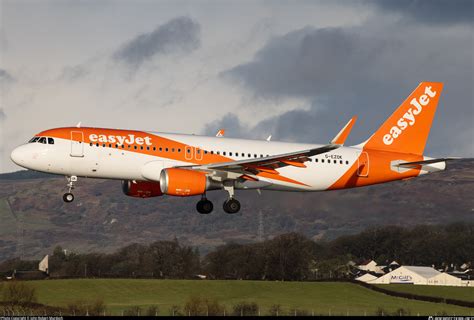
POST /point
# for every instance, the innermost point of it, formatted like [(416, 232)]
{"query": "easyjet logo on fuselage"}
[(409, 118), (130, 139)]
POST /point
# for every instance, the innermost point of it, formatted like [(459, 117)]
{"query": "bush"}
[(245, 309), (381, 312), (175, 310), (402, 312), (133, 311), (18, 292), (298, 312), (82, 308), (152, 311), (276, 310), (197, 306)]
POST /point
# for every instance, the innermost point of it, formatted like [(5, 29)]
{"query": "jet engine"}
[(183, 182), (141, 189)]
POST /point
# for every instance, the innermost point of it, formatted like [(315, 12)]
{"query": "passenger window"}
[(347, 162), (116, 145), (161, 149), (261, 156), (243, 154), (188, 150), (254, 155), (335, 161), (340, 162), (205, 151), (166, 149), (148, 148), (223, 153), (141, 148), (230, 154), (218, 152), (322, 160), (179, 150), (199, 151), (103, 145), (316, 160), (97, 144), (123, 146), (250, 156), (154, 148), (135, 147), (110, 145), (90, 144)]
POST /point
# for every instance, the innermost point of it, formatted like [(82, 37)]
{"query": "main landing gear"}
[(68, 196), (231, 205), (204, 206)]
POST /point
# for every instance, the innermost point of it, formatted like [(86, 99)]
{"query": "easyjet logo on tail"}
[(409, 118), (130, 139)]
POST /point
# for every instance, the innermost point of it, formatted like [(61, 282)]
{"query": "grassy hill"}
[(320, 298), (458, 293), (103, 219)]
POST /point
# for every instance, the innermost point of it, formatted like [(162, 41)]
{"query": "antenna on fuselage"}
[(269, 138), (78, 125)]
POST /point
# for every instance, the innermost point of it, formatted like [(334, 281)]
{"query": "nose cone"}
[(18, 156)]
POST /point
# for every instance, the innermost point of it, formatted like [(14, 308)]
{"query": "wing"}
[(266, 164)]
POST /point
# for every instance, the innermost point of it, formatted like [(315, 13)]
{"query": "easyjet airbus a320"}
[(152, 164)]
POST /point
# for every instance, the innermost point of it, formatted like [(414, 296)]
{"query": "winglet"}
[(220, 133), (344, 133)]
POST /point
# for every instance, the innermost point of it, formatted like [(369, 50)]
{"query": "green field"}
[(458, 293), (321, 298)]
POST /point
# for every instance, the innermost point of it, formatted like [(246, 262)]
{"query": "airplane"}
[(152, 164)]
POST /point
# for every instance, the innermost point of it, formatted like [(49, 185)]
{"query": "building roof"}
[(366, 277), (426, 272)]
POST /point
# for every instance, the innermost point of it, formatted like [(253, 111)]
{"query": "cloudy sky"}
[(295, 69)]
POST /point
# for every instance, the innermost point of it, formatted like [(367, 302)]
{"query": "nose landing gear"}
[(68, 196)]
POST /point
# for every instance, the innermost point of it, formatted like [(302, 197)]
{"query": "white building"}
[(44, 264), (371, 266), (417, 275)]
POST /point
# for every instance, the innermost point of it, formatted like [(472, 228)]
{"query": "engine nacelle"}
[(141, 189), (184, 183)]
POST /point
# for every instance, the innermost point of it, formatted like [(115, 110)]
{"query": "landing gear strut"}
[(231, 205), (68, 196), (204, 206)]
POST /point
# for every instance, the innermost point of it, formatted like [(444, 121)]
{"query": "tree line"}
[(289, 257)]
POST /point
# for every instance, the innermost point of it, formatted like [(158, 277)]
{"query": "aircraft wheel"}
[(231, 206), (204, 206), (68, 197)]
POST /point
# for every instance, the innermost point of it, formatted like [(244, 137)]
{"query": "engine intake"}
[(141, 189), (184, 183)]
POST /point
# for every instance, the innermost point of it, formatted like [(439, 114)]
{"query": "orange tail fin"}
[(407, 129)]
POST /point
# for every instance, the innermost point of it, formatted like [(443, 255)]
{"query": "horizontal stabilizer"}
[(423, 162), (344, 133)]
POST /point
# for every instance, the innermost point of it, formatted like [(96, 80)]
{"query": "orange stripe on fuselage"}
[(379, 170), (156, 141)]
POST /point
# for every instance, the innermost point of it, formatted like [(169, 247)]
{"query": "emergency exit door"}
[(77, 144)]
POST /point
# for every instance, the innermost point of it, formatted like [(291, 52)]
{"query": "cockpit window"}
[(34, 139), (42, 140), (50, 141)]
